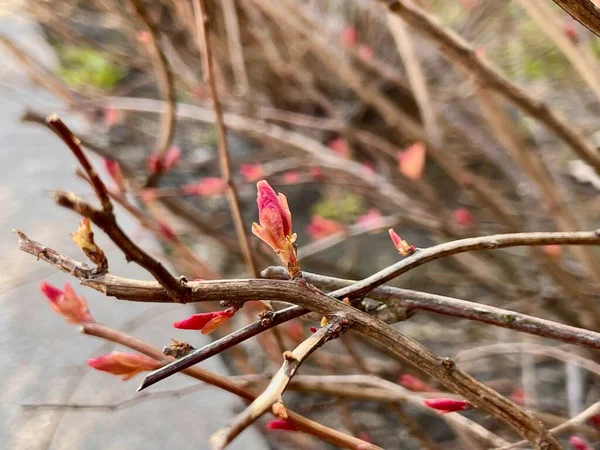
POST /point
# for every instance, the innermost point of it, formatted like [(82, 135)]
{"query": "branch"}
[(174, 287), (202, 25), (458, 51), (583, 11), (320, 431), (272, 394), (164, 77), (415, 300)]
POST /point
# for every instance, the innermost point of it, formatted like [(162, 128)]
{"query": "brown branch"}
[(273, 392), (422, 301), (164, 77), (322, 432), (106, 222), (579, 419), (459, 52), (202, 25), (583, 11), (61, 130)]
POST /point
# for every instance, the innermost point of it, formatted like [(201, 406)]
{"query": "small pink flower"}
[(291, 177), (122, 364), (400, 244), (171, 158), (251, 172), (320, 227), (577, 443), (349, 36), (411, 162), (447, 405), (208, 187), (365, 52), (111, 116), (281, 424), (340, 147), (414, 384), (371, 218), (275, 227), (206, 322), (114, 170), (67, 303), (463, 217)]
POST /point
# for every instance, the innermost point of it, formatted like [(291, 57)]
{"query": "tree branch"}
[(272, 394), (584, 12), (422, 301), (459, 52), (202, 25)]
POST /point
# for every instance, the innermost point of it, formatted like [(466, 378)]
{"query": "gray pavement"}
[(42, 358)]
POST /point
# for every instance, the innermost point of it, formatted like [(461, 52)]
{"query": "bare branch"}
[(422, 301), (272, 394), (583, 11), (202, 25), (458, 51)]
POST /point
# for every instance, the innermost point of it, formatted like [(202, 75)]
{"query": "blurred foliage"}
[(83, 68), (341, 207)]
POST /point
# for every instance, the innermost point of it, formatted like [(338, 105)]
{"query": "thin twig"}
[(322, 432), (273, 392), (457, 50), (422, 301), (164, 76), (202, 25)]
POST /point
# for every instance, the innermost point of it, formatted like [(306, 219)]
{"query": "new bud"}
[(206, 322), (125, 365), (400, 244), (447, 405)]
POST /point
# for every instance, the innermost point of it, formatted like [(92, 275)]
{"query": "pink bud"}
[(208, 187), (281, 424), (571, 33), (414, 384), (313, 329), (316, 173), (320, 227), (114, 170), (67, 303), (596, 420), (251, 172), (291, 177), (349, 36), (552, 250), (411, 162), (447, 405), (371, 218), (166, 231), (577, 443), (172, 156), (153, 164), (401, 245), (126, 365), (207, 322), (340, 147), (463, 217), (364, 436), (365, 52), (111, 116)]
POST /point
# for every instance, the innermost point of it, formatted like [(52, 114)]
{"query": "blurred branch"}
[(583, 11), (164, 76), (202, 24), (459, 52)]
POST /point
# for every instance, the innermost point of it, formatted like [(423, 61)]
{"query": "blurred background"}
[(364, 125)]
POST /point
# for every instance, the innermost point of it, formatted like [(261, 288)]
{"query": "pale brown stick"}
[(273, 392), (202, 24)]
